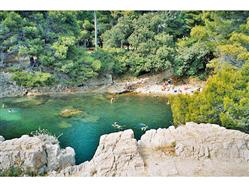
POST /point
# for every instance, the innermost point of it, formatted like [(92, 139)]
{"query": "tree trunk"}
[(1, 59), (96, 30)]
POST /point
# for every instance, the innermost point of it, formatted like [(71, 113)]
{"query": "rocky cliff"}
[(37, 155), (8, 87), (189, 150)]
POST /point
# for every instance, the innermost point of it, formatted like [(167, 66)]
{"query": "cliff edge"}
[(188, 150)]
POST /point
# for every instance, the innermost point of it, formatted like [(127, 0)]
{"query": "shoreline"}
[(149, 86)]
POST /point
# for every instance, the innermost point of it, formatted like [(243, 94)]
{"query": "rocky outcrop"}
[(200, 141), (116, 155), (38, 154), (8, 87), (189, 150), (99, 81), (195, 150), (124, 87)]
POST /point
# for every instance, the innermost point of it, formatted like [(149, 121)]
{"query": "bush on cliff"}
[(224, 100), (17, 172)]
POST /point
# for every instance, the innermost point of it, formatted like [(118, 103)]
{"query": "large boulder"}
[(188, 150), (200, 141), (116, 155), (8, 87), (35, 154), (1, 139)]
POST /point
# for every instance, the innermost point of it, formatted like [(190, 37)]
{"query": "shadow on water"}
[(97, 116)]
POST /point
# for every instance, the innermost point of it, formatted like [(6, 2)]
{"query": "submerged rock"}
[(67, 113), (64, 125), (10, 114), (34, 154), (28, 102), (87, 118)]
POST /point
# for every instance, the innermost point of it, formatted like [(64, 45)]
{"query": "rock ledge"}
[(189, 150), (38, 154)]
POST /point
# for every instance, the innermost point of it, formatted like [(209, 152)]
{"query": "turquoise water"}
[(24, 115)]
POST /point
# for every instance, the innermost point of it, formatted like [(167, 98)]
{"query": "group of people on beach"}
[(168, 86)]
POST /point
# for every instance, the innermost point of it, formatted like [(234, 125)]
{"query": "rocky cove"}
[(149, 85), (83, 115), (188, 150)]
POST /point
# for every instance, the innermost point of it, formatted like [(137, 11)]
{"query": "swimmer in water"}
[(116, 125), (144, 128), (112, 99)]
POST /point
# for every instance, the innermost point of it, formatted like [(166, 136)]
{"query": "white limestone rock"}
[(200, 141), (1, 139), (190, 150), (116, 155), (33, 154)]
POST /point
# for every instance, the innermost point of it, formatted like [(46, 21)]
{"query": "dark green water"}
[(28, 114)]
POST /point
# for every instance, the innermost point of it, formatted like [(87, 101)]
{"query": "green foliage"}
[(112, 60), (16, 171), (224, 100), (33, 79), (148, 40), (192, 43), (192, 60), (12, 172)]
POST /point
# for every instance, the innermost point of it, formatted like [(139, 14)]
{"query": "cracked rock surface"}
[(189, 150), (116, 155), (38, 154)]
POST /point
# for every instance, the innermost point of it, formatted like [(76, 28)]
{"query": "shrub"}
[(12, 172), (33, 79), (46, 136), (224, 101)]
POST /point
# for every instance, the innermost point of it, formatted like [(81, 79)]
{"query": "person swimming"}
[(10, 110), (112, 99), (143, 126), (116, 125)]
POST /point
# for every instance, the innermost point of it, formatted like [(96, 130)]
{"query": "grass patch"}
[(17, 171), (168, 149)]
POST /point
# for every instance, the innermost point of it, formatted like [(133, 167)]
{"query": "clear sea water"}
[(24, 115)]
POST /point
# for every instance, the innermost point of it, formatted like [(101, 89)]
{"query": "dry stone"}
[(34, 154)]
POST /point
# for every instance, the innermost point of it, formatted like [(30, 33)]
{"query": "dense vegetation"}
[(59, 46), (225, 98), (61, 42)]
